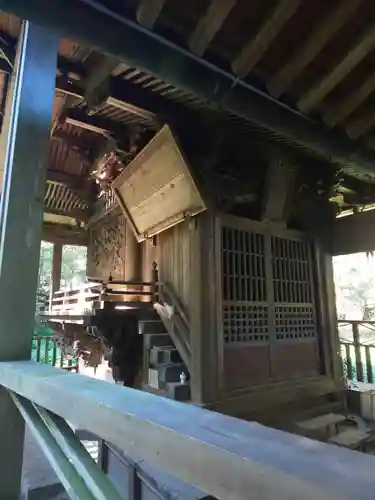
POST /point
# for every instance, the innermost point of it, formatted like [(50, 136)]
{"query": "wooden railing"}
[(98, 295), (175, 319), (46, 351), (357, 346), (219, 455)]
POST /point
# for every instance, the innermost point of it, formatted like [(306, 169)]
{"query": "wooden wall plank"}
[(148, 12), (360, 49), (209, 25), (257, 46), (318, 38)]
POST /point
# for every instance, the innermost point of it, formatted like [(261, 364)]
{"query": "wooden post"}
[(357, 350), (203, 325), (56, 267), (56, 271), (23, 159), (370, 377)]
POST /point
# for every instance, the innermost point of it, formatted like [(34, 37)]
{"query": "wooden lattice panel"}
[(294, 322), (243, 266), (268, 309), (247, 323), (291, 267)]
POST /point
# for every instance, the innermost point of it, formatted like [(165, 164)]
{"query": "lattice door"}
[(268, 310)]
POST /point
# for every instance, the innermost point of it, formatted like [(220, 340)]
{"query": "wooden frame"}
[(268, 230), (164, 143)]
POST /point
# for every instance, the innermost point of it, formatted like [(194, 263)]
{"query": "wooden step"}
[(321, 422), (350, 438)]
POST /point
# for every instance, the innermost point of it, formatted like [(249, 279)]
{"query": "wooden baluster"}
[(46, 348), (54, 353), (155, 282), (370, 377), (348, 362), (38, 348), (357, 350)]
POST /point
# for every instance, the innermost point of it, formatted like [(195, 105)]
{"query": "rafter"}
[(257, 46), (335, 115), (209, 25), (360, 49), (148, 12), (360, 125), (319, 37)]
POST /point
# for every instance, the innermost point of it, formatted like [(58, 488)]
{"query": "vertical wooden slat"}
[(54, 352), (134, 484), (370, 377), (46, 348), (38, 349), (349, 365), (357, 351)]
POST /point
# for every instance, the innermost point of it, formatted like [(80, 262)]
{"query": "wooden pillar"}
[(56, 269), (23, 157), (326, 309), (204, 341)]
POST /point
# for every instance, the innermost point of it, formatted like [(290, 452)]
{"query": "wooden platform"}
[(350, 438), (321, 422)]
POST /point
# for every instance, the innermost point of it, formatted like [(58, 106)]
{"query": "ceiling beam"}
[(75, 213), (73, 181), (335, 115), (253, 51), (359, 50), (209, 25), (68, 235), (317, 40), (125, 39), (148, 12), (103, 68)]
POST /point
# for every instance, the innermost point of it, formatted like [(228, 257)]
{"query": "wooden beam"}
[(209, 25), (360, 49), (76, 213), (278, 190), (148, 12), (353, 233), (360, 125), (68, 235), (257, 46), (319, 37), (102, 69), (335, 115), (73, 181)]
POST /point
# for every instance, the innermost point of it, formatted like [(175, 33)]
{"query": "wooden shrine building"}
[(202, 151)]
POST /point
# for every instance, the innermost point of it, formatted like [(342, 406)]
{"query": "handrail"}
[(169, 295), (177, 323), (221, 456), (356, 354)]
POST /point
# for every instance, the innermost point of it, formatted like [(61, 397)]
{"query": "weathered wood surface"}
[(106, 253)]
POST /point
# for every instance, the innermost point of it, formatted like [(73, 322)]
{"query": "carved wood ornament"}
[(106, 255)]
